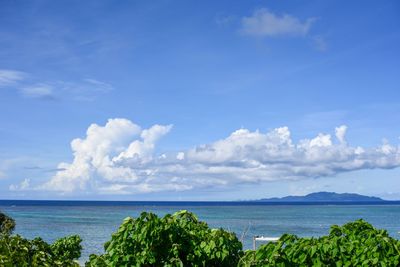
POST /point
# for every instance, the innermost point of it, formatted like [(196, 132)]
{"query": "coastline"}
[(11, 202)]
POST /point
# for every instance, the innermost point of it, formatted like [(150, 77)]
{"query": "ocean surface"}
[(95, 221)]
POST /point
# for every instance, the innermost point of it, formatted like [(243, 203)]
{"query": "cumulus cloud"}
[(264, 23), (120, 158), (97, 157), (340, 133), (24, 185)]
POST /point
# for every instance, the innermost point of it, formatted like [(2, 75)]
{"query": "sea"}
[(95, 221)]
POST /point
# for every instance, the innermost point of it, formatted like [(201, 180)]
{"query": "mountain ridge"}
[(325, 197)]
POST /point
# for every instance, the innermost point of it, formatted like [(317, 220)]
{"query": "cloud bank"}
[(120, 158)]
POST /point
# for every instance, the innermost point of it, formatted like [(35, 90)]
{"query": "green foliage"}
[(174, 240), (7, 224), (182, 240), (18, 251), (354, 244), (67, 248)]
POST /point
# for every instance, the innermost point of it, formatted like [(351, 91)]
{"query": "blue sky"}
[(198, 100)]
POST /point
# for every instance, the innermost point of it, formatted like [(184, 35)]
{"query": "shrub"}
[(354, 244), (174, 240), (182, 240), (7, 224), (18, 251)]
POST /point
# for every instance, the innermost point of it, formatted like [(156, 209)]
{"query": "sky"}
[(198, 100)]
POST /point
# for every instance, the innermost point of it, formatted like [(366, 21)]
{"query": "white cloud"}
[(99, 85), (264, 23), (97, 157), (10, 77), (38, 91), (24, 185), (120, 158), (340, 133), (33, 87), (142, 150), (180, 156), (81, 90)]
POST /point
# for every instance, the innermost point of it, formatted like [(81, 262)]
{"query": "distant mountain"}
[(324, 197)]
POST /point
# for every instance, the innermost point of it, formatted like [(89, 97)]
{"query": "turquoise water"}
[(96, 223)]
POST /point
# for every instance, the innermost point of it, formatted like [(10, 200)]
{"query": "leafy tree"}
[(182, 240), (356, 243), (18, 251), (7, 224), (67, 248), (174, 240)]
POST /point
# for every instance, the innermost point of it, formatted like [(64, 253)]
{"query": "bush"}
[(174, 240), (18, 251), (182, 240), (21, 252), (7, 224), (354, 244)]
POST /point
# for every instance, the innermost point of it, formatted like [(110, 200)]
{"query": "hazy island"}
[(325, 197)]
